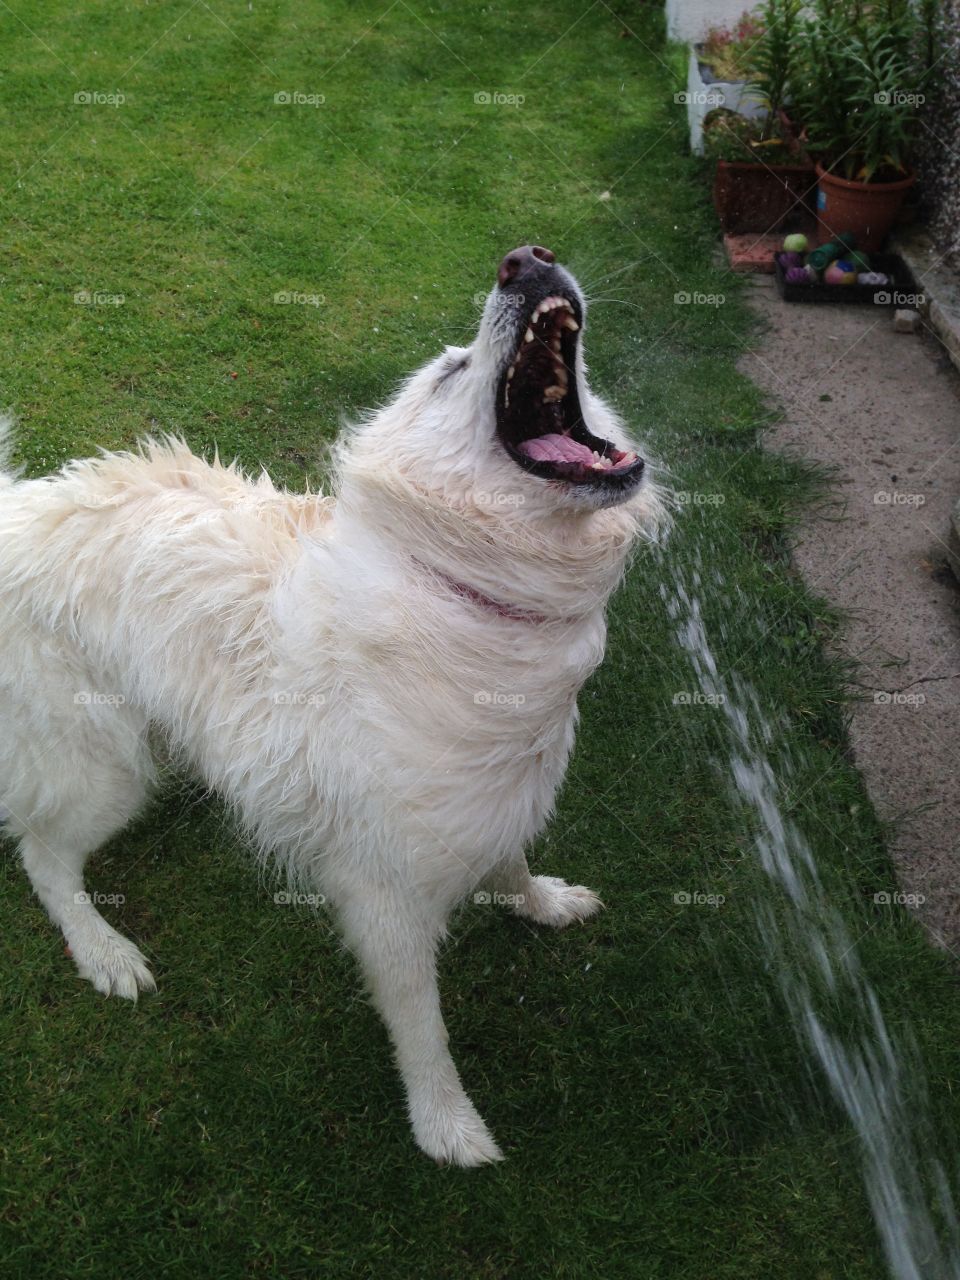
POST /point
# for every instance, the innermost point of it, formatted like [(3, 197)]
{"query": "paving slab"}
[(882, 409)]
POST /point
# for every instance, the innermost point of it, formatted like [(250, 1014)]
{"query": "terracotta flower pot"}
[(868, 209)]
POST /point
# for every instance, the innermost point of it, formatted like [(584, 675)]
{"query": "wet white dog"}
[(382, 684)]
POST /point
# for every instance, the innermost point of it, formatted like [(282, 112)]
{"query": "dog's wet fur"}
[(382, 683)]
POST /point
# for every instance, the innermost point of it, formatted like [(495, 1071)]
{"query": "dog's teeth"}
[(568, 322), (528, 336), (510, 372), (554, 393)]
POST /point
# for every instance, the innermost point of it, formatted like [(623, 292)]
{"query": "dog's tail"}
[(7, 424)]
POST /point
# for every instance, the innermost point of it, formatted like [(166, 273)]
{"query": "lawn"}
[(181, 250)]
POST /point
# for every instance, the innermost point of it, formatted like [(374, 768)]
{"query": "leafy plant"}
[(772, 54), (858, 80), (730, 136), (728, 50)]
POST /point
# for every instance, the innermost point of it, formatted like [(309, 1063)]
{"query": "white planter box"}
[(692, 19), (702, 96)]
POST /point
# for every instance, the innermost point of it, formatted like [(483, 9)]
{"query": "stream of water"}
[(815, 962)]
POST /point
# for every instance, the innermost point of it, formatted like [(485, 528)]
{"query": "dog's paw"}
[(451, 1132), (111, 962), (552, 901)]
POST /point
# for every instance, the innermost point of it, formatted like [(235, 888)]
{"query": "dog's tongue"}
[(557, 448)]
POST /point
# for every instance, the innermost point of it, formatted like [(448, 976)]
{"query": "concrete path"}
[(883, 410)]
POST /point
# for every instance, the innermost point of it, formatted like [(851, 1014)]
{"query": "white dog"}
[(382, 684)]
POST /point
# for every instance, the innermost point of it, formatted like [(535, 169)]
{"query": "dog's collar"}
[(478, 598)]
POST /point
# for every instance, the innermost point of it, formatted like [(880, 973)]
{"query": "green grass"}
[(656, 1114)]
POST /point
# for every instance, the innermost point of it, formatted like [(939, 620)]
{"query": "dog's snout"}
[(522, 262)]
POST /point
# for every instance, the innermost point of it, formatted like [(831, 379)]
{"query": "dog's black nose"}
[(520, 262)]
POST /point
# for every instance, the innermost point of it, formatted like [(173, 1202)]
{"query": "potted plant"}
[(760, 183), (857, 85), (718, 76), (763, 178)]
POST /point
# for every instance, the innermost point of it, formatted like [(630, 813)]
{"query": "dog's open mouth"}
[(539, 419)]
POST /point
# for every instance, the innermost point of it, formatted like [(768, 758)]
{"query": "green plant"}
[(727, 50), (730, 136), (858, 81), (772, 55)]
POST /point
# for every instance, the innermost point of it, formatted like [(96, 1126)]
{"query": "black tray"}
[(891, 264)]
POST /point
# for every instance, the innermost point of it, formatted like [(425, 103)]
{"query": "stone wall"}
[(939, 149), (691, 19)]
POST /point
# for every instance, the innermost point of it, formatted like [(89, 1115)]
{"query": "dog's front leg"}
[(396, 945), (543, 899)]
